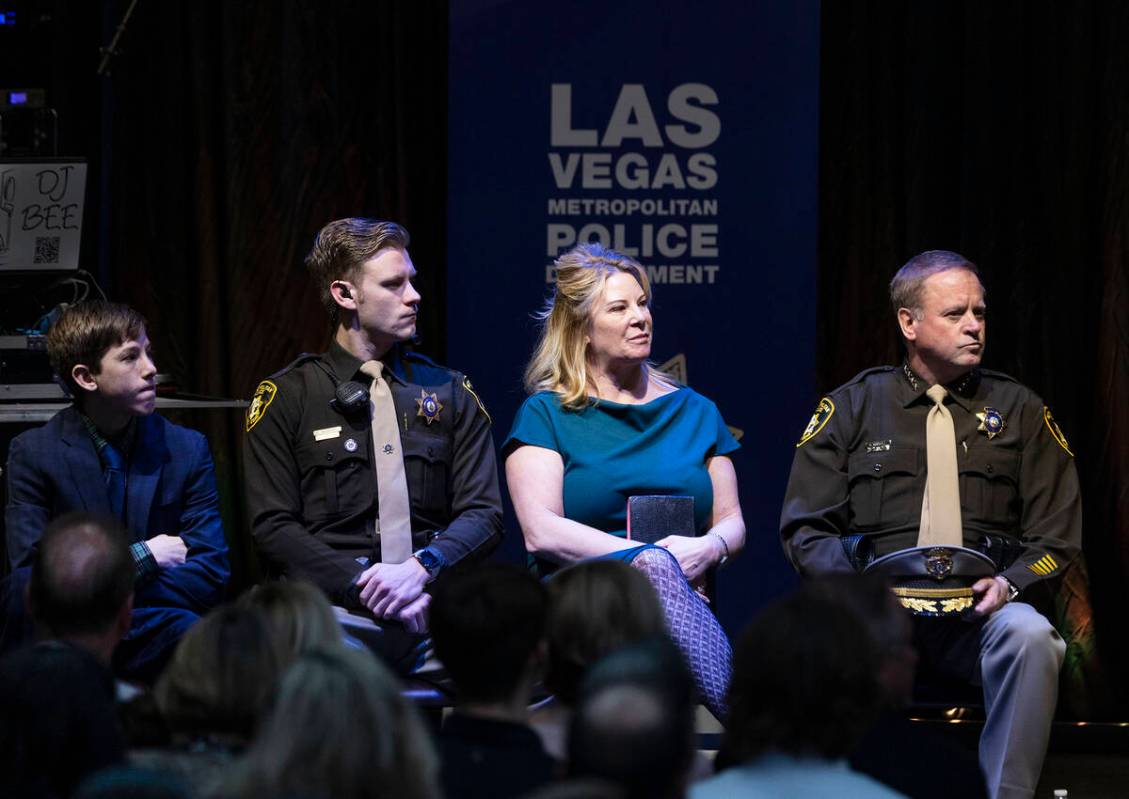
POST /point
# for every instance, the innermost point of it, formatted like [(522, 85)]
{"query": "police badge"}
[(429, 406), (991, 422)]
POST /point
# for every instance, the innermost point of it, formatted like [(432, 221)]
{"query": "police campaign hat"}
[(934, 580)]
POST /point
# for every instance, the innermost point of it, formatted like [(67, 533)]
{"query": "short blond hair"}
[(559, 361)]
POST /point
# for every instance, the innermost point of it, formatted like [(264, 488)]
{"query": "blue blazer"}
[(55, 468)]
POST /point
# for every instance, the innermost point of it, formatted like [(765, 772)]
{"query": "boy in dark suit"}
[(109, 453)]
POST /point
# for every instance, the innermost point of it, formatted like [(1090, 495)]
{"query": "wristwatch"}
[(431, 561), (1012, 591)]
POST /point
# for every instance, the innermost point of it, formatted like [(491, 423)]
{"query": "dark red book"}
[(651, 517)]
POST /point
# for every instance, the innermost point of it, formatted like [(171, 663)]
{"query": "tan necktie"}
[(940, 507), (395, 516)]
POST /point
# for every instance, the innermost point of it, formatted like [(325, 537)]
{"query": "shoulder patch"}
[(822, 413), (1056, 432), (264, 396), (470, 390)]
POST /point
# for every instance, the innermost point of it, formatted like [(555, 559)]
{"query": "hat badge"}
[(938, 563)]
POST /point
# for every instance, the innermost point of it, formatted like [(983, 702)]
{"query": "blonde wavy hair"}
[(560, 362)]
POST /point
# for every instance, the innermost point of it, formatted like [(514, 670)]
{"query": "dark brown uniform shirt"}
[(860, 468), (311, 488)]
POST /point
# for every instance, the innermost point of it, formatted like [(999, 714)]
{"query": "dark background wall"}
[(1000, 130), (228, 133)]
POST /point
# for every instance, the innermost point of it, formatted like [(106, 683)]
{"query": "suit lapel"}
[(145, 465), (83, 464)]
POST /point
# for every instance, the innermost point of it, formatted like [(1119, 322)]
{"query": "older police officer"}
[(935, 453)]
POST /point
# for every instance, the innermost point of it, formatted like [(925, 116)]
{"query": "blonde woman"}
[(602, 425)]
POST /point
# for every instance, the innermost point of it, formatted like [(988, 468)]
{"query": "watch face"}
[(429, 560)]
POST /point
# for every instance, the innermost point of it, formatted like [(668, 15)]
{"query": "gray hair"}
[(905, 288)]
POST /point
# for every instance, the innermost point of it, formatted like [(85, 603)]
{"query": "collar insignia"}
[(991, 422), (429, 406), (915, 382), (910, 376)]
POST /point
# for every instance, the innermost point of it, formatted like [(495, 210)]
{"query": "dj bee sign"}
[(641, 179)]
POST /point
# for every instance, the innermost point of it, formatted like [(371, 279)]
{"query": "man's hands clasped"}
[(395, 591)]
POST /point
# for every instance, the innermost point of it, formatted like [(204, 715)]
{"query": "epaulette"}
[(415, 357), (301, 359), (998, 375), (419, 357), (865, 373), (422, 369)]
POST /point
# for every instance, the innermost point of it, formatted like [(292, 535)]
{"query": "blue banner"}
[(682, 134)]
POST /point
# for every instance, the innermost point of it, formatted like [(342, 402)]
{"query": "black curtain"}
[(1000, 130), (231, 132)]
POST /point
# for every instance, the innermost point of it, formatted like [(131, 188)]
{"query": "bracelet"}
[(724, 546)]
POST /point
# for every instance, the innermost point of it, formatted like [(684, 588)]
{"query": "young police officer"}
[(370, 469)]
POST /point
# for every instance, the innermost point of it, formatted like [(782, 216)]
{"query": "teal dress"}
[(612, 451)]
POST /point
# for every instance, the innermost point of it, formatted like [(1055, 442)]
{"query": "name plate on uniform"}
[(327, 433)]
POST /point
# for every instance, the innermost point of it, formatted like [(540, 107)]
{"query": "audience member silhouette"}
[(488, 628), (339, 728), (895, 751), (634, 722), (57, 720), (595, 608), (215, 690), (804, 690), (299, 615)]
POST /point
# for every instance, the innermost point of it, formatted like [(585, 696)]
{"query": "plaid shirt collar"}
[(123, 443)]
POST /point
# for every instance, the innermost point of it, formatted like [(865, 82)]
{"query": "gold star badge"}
[(429, 406), (991, 422)]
